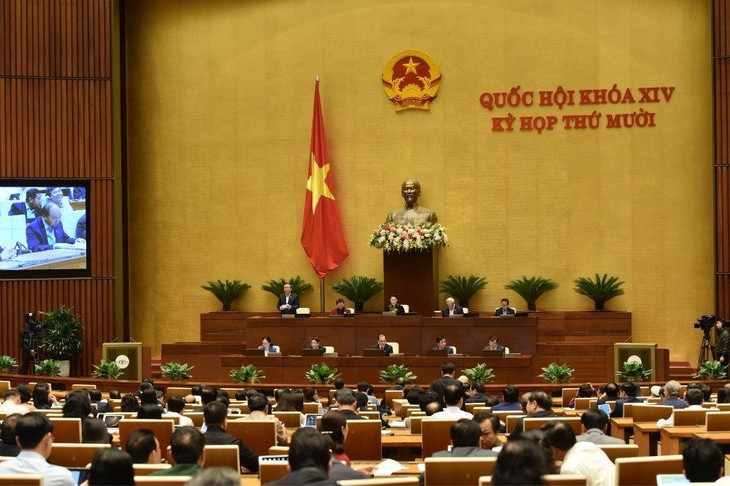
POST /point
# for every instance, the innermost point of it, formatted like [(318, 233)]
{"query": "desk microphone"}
[(21, 248)]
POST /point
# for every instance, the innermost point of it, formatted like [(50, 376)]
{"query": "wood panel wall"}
[(721, 60), (56, 121)]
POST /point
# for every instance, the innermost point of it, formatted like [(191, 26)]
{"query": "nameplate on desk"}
[(512, 355), (288, 316), (389, 313)]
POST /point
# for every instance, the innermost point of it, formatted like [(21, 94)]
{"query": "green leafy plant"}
[(600, 290), (48, 367), (480, 373), (62, 332), (107, 369), (393, 372), (276, 287), (358, 289), (227, 292), (633, 372), (176, 371), (711, 370), (462, 288), (321, 374), (247, 374), (557, 373), (531, 289), (7, 364)]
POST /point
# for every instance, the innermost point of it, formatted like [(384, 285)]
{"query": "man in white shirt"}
[(693, 398), (175, 407), (12, 403), (584, 458), (454, 399), (35, 438)]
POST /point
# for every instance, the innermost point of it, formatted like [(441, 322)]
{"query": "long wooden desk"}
[(646, 436), (622, 428), (672, 437)]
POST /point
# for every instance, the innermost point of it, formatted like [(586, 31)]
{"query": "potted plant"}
[(48, 367), (227, 292), (531, 289), (601, 290), (176, 371), (107, 369), (358, 289), (711, 370), (321, 374), (557, 373), (462, 288), (7, 364), (634, 372), (393, 372), (247, 374), (480, 373), (62, 336), (276, 287)]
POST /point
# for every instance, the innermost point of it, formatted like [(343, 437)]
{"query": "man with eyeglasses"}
[(47, 233)]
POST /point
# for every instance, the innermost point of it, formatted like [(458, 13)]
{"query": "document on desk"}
[(387, 468)]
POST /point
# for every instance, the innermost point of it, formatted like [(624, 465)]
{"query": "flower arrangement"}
[(401, 238)]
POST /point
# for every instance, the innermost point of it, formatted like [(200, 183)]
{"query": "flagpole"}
[(321, 295)]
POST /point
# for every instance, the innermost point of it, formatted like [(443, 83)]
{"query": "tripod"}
[(707, 352)]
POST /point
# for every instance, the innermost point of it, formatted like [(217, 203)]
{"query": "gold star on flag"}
[(411, 66), (316, 183)]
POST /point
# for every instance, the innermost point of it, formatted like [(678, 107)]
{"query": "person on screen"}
[(504, 309), (267, 346), (494, 344), (386, 348), (288, 301), (46, 232), (55, 195), (81, 227), (31, 208), (7, 253), (78, 193), (451, 308), (395, 306), (441, 345), (339, 309)]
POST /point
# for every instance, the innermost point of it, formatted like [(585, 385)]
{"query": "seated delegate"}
[(267, 346), (395, 306), (316, 344), (382, 344), (441, 345), (504, 309), (339, 309), (451, 308), (47, 233)]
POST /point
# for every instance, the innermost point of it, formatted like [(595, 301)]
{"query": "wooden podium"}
[(129, 356), (413, 277)]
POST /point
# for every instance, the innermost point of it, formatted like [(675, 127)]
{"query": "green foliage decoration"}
[(176, 371), (394, 371), (7, 364), (600, 290), (247, 374), (48, 367), (227, 292), (531, 289), (62, 332), (479, 373), (462, 288), (711, 370), (633, 372), (358, 289), (557, 373), (276, 287), (107, 369), (321, 374)]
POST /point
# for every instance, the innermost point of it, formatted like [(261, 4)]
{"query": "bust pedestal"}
[(413, 277)]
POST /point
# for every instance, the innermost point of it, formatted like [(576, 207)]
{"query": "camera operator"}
[(722, 342), (30, 339)]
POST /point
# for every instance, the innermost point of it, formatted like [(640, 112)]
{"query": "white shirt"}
[(186, 421), (670, 421), (9, 407), (587, 459), (29, 462), (452, 413)]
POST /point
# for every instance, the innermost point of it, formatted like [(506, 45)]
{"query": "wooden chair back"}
[(279, 451), (258, 435), (435, 435), (197, 417), (73, 454), (4, 386), (511, 421), (503, 414), (390, 395), (162, 480), (471, 406), (416, 424), (723, 407), (650, 413), (272, 468), (643, 470), (717, 421), (216, 456), (370, 414), (292, 420), (21, 480), (386, 481), (457, 470), (397, 404), (536, 423), (181, 391), (628, 410), (162, 428), (483, 409), (241, 407), (66, 429), (404, 410), (83, 386), (567, 395), (614, 451), (690, 417), (585, 403), (310, 407), (147, 469), (364, 441), (564, 480)]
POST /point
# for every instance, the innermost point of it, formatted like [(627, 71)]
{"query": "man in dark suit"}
[(539, 404), (309, 459), (215, 414), (627, 395), (347, 404), (504, 309), (386, 348), (288, 301), (441, 345), (672, 391), (47, 231), (494, 344), (451, 308), (447, 378), (31, 208)]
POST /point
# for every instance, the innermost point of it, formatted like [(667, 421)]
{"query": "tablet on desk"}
[(310, 420)]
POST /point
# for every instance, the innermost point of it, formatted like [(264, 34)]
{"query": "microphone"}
[(21, 248)]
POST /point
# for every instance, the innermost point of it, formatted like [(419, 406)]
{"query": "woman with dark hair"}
[(78, 404), (291, 402), (93, 431), (149, 411), (129, 403), (519, 462), (311, 395), (111, 467), (267, 346), (42, 397), (334, 430)]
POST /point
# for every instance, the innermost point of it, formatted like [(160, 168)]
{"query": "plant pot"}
[(65, 367)]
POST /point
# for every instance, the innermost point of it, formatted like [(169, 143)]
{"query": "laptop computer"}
[(312, 352), (493, 353), (373, 352), (254, 352), (605, 407), (111, 421)]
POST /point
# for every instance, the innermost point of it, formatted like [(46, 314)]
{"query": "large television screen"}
[(44, 230)]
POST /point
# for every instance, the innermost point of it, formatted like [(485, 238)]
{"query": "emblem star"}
[(316, 183), (411, 66)]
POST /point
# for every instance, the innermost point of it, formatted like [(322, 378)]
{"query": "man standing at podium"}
[(288, 301)]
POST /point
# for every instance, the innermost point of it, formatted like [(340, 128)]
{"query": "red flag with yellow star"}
[(322, 236)]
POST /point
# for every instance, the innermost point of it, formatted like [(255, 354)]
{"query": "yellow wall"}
[(220, 104)]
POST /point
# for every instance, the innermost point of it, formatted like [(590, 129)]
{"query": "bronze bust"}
[(412, 213)]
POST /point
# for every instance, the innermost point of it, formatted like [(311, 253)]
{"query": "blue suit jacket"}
[(22, 209), (35, 235), (457, 310)]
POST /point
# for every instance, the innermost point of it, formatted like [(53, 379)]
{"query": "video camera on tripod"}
[(706, 323), (33, 323)]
